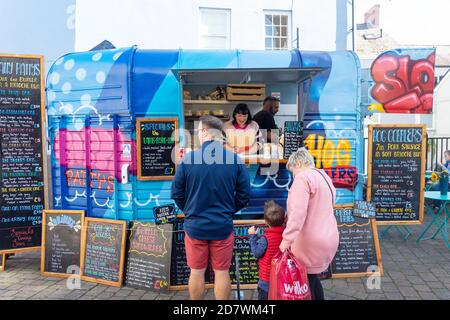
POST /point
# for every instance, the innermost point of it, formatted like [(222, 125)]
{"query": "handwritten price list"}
[(21, 168), (396, 173), (157, 141), (148, 265), (356, 251)]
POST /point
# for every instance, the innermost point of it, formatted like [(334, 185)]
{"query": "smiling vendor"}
[(242, 132)]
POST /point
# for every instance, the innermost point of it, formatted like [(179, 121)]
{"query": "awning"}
[(235, 76)]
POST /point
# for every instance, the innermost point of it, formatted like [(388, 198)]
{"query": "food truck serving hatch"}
[(259, 75)]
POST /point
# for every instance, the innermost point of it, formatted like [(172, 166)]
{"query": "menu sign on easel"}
[(157, 143), (358, 254), (148, 262), (61, 242), (22, 167), (248, 266), (396, 172), (293, 137), (103, 251)]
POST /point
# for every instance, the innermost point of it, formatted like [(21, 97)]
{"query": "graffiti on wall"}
[(403, 81), (335, 158)]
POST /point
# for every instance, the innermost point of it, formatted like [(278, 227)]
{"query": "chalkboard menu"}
[(358, 253), (148, 261), (157, 143), (22, 196), (103, 251), (293, 137), (364, 209), (61, 242), (396, 172), (248, 268), (164, 214)]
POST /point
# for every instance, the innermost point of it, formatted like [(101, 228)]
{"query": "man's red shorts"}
[(219, 251)]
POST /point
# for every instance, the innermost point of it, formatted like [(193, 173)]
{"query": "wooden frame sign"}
[(248, 266), (103, 251), (157, 148), (396, 171), (23, 171), (2, 262), (61, 242), (359, 253)]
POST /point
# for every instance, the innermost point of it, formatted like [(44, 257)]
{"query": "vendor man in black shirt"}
[(265, 118)]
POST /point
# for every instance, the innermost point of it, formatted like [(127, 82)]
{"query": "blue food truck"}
[(96, 99)]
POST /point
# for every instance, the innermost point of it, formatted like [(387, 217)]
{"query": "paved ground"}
[(411, 272)]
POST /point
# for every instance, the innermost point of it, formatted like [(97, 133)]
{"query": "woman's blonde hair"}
[(300, 158)]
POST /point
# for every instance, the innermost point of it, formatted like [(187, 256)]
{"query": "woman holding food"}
[(241, 132)]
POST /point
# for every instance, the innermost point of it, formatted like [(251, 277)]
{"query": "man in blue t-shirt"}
[(210, 185)]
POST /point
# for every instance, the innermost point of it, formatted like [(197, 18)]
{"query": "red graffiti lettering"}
[(403, 85)]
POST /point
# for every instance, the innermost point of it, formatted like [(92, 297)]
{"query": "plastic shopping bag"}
[(288, 278)]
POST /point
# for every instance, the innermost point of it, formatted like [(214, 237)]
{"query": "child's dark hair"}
[(273, 214)]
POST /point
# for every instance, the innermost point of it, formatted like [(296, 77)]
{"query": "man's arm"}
[(179, 186), (242, 187)]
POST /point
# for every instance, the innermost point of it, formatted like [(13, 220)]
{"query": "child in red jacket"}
[(265, 247)]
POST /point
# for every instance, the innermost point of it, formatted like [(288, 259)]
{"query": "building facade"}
[(215, 24)]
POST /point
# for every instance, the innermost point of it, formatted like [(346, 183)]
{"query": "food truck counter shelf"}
[(261, 160)]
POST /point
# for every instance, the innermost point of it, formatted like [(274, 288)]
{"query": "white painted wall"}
[(441, 107), (173, 24)]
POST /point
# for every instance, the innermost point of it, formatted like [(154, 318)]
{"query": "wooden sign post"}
[(2, 262), (358, 254), (61, 242), (22, 136), (396, 173), (157, 148), (103, 251)]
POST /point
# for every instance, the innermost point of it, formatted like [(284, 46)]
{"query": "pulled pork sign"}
[(22, 168)]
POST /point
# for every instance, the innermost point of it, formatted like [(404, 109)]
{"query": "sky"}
[(37, 27), (411, 22)]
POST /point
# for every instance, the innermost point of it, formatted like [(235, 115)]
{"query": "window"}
[(214, 28), (277, 30)]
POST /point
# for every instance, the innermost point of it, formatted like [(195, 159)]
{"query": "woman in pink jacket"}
[(311, 230)]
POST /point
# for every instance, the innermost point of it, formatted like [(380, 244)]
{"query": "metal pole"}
[(353, 25), (298, 43)]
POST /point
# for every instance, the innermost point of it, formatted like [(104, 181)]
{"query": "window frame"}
[(273, 37), (201, 35)]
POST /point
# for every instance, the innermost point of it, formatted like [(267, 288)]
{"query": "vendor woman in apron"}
[(242, 133)]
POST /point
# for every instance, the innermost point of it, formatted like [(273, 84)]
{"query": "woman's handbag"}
[(288, 278)]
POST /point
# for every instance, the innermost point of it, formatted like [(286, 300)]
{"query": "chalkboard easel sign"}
[(396, 171), (293, 137), (23, 167), (157, 148), (103, 251), (61, 242), (148, 260), (248, 267), (358, 254)]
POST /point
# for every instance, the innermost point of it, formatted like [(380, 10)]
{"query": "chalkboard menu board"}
[(364, 209), (248, 268), (396, 172), (358, 253), (22, 168), (61, 242), (103, 251), (157, 144), (293, 137), (148, 261)]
